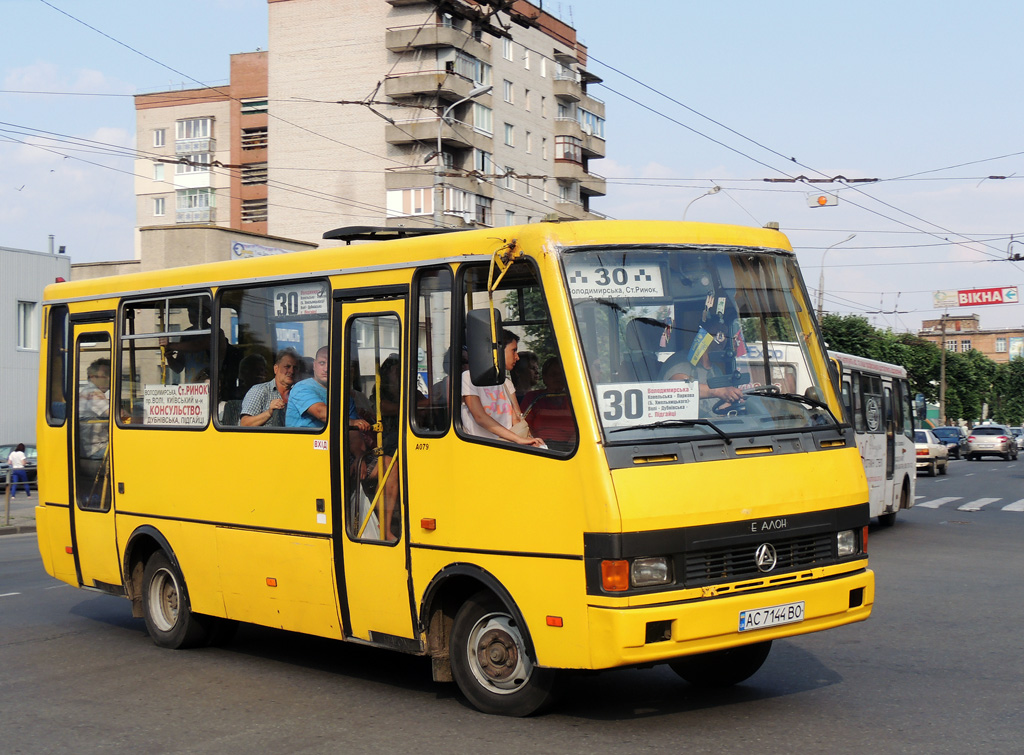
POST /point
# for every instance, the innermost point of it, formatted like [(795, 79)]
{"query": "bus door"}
[(92, 509), (890, 433), (371, 529)]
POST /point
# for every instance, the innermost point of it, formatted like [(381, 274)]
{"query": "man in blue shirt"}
[(307, 402)]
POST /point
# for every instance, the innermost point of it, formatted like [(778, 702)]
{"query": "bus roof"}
[(418, 250), (869, 365)]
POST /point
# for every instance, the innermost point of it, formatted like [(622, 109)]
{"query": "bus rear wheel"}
[(490, 662), (169, 618), (722, 668)]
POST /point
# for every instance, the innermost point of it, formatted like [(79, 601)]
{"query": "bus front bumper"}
[(652, 634)]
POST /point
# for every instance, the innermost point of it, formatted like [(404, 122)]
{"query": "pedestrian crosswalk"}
[(976, 505)]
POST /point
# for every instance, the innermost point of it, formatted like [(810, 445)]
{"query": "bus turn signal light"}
[(554, 621), (428, 524), (615, 576), (271, 581)]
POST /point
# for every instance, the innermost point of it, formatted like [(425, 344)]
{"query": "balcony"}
[(567, 170), (197, 215), (457, 135), (567, 89), (450, 86), (409, 38), (592, 146), (192, 146), (594, 185)]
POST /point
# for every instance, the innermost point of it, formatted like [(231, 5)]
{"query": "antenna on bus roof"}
[(351, 233)]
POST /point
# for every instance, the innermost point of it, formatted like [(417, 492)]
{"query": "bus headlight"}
[(847, 543), (650, 571)]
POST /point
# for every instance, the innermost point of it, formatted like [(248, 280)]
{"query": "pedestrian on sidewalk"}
[(18, 472)]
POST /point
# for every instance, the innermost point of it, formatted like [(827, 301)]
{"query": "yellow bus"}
[(292, 441)]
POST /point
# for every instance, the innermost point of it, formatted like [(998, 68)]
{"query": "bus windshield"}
[(691, 342)]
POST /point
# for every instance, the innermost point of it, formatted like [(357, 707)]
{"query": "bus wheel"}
[(489, 660), (169, 619), (722, 668)]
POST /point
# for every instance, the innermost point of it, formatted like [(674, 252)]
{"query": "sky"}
[(922, 97)]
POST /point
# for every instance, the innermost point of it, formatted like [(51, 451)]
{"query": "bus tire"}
[(490, 663), (169, 618), (887, 520), (722, 668)]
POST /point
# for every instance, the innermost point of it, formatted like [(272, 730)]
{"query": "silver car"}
[(991, 440)]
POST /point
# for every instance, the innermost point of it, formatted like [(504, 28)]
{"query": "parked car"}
[(1018, 435), (30, 463), (932, 453), (955, 439), (991, 440)]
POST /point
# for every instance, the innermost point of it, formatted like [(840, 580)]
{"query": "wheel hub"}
[(497, 654)]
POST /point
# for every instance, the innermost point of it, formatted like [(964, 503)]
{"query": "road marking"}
[(9, 594), (978, 504), (1015, 506), (936, 502)]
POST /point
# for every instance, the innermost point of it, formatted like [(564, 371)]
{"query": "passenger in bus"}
[(491, 411), (307, 402), (525, 374), (251, 370), (265, 403), (94, 417), (548, 410)]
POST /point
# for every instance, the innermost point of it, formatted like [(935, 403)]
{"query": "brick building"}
[(964, 333), (339, 122)]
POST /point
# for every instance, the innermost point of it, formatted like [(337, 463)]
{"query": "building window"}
[(254, 105), (482, 76), (569, 149), (254, 138), (544, 189), (510, 135), (510, 179), (483, 118), (506, 48), (254, 173), (543, 106), (544, 148), (254, 210), (196, 163), (158, 171), (965, 345), (950, 345), (510, 217), (195, 205), (27, 325), (543, 67), (159, 137), (1000, 345), (483, 161), (508, 92), (194, 128), (529, 188), (159, 206), (590, 123), (526, 99), (529, 142), (526, 58), (483, 210)]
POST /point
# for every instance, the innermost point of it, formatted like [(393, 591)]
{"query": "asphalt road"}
[(936, 669)]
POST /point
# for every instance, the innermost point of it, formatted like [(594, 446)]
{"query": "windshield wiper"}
[(676, 423), (774, 392)]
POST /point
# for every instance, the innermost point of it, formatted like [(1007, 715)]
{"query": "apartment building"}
[(340, 123), (963, 333)]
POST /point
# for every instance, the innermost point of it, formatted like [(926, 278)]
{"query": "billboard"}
[(975, 297)]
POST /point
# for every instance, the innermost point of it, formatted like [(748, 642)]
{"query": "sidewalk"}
[(23, 513)]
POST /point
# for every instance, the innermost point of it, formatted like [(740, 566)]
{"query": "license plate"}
[(772, 616)]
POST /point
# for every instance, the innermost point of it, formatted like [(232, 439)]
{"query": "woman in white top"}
[(490, 411), (18, 472)]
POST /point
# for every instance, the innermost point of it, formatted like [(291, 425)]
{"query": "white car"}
[(932, 453)]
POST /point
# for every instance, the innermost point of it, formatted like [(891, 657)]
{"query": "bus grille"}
[(736, 562)]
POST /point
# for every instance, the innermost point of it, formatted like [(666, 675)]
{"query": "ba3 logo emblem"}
[(765, 557)]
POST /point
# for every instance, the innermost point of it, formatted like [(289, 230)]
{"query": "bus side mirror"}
[(482, 369)]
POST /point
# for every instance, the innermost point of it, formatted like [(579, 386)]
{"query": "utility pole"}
[(942, 373)]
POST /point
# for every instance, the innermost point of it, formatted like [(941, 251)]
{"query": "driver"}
[(710, 359)]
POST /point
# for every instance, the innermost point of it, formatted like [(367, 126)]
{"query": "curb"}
[(17, 529)]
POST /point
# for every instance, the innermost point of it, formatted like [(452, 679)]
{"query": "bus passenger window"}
[(275, 335), (56, 365), (165, 368), (435, 368), (534, 398)]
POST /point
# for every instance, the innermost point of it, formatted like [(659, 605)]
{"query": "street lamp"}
[(439, 167), (708, 193), (821, 276)]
